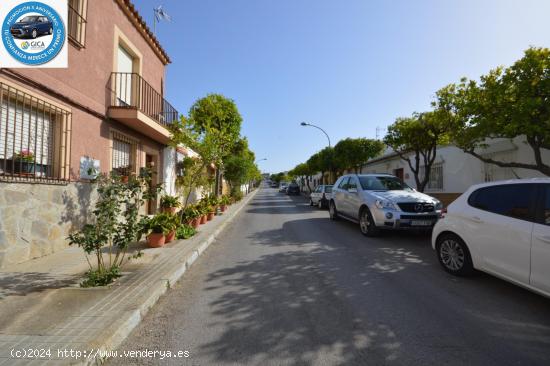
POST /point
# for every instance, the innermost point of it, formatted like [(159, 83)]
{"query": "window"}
[(546, 207), (513, 200), (382, 183), (352, 183), (34, 137), (344, 183), (124, 155), (492, 172), (435, 181), (77, 21), (328, 189)]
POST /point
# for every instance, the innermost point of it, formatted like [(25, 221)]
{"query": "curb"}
[(132, 318)]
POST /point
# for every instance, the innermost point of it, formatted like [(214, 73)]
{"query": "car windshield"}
[(29, 19), (328, 189), (380, 183)]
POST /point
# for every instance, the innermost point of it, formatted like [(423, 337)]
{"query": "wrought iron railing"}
[(34, 138), (130, 90), (76, 26)]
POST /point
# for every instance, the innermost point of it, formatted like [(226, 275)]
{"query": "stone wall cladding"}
[(35, 219)]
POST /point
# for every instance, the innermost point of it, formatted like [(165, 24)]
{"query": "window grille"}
[(124, 156), (77, 21), (435, 181), (34, 137)]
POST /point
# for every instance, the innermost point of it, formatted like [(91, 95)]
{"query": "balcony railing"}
[(131, 91)]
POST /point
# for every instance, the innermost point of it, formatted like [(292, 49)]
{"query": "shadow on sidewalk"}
[(23, 283)]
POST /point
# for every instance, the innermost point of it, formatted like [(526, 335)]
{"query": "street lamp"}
[(257, 161), (328, 138), (319, 128)]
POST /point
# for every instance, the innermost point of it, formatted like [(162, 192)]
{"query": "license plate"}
[(421, 223)]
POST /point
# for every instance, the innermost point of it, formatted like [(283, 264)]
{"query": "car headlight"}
[(381, 204), (438, 206)]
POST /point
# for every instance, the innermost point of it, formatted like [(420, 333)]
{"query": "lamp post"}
[(317, 127), (329, 145)]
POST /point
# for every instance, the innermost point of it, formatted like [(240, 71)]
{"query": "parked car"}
[(282, 187), (32, 26), (274, 185), (502, 228), (321, 196), (293, 188), (382, 201)]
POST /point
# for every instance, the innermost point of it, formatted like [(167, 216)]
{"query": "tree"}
[(239, 167), (304, 172), (354, 153), (419, 136), (506, 103), (217, 118)]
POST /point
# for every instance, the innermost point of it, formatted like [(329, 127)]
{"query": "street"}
[(284, 285)]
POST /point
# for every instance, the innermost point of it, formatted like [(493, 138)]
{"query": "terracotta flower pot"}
[(155, 240), (195, 222), (223, 208), (170, 210), (203, 219), (124, 179), (170, 237), (210, 216)]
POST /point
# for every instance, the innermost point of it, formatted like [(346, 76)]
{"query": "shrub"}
[(185, 232), (167, 201)]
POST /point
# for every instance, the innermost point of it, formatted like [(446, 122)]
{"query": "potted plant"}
[(169, 204), (156, 228), (225, 200), (24, 162), (204, 213), (191, 215), (172, 225), (123, 173)]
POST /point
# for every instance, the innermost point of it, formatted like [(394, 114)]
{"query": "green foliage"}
[(225, 200), (352, 153), (236, 195), (185, 232), (168, 201), (116, 222), (161, 223), (96, 278), (416, 138), (191, 212), (505, 103)]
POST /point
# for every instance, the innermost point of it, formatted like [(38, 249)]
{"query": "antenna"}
[(379, 131), (159, 14)]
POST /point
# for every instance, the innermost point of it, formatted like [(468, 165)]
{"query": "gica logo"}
[(33, 19)]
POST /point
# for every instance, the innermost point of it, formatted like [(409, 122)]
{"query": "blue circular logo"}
[(33, 33)]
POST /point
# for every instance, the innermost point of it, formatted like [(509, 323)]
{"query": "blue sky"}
[(347, 66)]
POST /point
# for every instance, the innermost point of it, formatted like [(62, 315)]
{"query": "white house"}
[(454, 170)]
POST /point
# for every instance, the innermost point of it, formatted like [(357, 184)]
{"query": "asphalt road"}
[(286, 286)]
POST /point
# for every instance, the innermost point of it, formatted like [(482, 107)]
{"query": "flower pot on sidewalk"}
[(155, 240), (203, 219), (170, 210), (223, 208), (194, 223), (170, 236), (210, 216)]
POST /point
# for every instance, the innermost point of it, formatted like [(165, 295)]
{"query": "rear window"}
[(328, 189), (512, 200)]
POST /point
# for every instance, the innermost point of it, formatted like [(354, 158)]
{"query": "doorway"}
[(399, 173)]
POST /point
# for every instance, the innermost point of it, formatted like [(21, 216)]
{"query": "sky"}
[(348, 66)]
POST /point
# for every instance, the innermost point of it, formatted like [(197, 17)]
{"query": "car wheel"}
[(454, 256), (367, 225), (333, 213), (34, 33)]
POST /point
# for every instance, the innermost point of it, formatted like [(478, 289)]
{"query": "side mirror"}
[(352, 190)]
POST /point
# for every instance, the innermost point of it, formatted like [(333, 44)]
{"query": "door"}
[(124, 79), (399, 173), (353, 198), (340, 193), (499, 227), (151, 162), (540, 251)]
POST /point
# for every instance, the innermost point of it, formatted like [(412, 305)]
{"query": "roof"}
[(134, 16)]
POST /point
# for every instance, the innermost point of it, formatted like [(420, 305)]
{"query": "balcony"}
[(135, 103)]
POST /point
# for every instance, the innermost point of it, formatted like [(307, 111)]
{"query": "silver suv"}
[(382, 201)]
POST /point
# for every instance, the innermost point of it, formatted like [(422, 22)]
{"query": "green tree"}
[(505, 103), (415, 140), (354, 153), (217, 118)]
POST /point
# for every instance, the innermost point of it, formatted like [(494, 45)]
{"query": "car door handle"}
[(544, 238), (475, 219)]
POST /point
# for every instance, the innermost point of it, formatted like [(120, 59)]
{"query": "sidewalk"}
[(43, 308)]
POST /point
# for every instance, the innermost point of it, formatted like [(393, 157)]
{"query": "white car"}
[(502, 228), (321, 196), (282, 187), (382, 202)]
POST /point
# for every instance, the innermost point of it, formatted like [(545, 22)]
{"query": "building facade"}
[(60, 127)]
